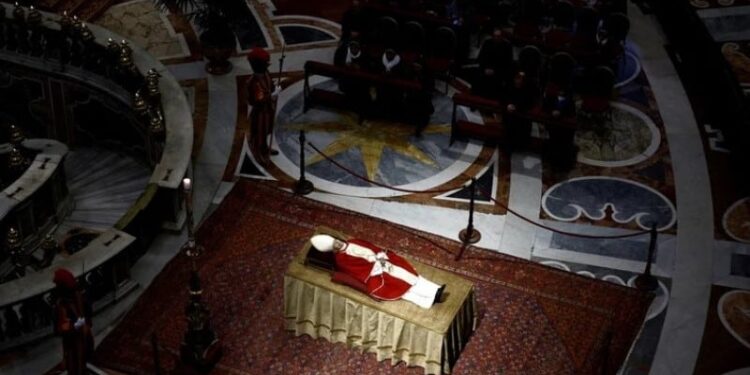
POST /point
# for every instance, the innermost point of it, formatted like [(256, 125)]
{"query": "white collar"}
[(350, 56), (390, 64)]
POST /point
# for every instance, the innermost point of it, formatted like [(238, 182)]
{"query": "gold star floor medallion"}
[(371, 137)]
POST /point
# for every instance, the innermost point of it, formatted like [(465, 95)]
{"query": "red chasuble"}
[(383, 286)]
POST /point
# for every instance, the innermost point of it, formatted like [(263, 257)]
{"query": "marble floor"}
[(652, 169)]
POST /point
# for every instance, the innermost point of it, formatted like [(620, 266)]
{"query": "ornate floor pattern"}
[(623, 181)]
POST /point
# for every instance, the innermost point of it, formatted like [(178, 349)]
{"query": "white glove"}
[(276, 91), (79, 323)]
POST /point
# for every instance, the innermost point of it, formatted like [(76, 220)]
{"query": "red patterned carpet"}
[(532, 319)]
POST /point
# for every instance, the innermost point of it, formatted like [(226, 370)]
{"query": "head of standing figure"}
[(65, 282), (259, 60), (355, 48), (390, 54), (497, 34), (390, 59)]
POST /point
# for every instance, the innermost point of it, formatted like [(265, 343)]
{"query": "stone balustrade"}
[(97, 58)]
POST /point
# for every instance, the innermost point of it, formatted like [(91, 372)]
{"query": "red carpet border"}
[(532, 319)]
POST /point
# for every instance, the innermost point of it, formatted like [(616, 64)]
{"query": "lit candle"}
[(187, 184)]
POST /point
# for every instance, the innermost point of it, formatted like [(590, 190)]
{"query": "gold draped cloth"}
[(397, 330)]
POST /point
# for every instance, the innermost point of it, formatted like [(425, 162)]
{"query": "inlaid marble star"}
[(371, 137)]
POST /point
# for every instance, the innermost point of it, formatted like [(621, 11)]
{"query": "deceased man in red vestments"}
[(381, 274)]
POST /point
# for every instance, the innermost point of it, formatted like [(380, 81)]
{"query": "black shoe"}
[(273, 152), (439, 295)]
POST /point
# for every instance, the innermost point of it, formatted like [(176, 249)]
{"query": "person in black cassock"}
[(519, 98), (418, 104), (390, 99), (495, 66), (349, 55), (353, 22)]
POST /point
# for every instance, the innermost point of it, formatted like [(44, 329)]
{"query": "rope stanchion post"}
[(500, 204), (469, 235), (303, 186), (646, 281), (155, 351)]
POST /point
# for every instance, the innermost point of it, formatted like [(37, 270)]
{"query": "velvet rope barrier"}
[(511, 211), (559, 231), (363, 178)]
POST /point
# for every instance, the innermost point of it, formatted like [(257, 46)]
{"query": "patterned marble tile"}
[(141, 22), (300, 34), (642, 352), (629, 138), (600, 197), (727, 328), (737, 54), (706, 4), (740, 265), (631, 146)]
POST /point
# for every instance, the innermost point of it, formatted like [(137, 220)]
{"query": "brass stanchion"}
[(155, 351), (303, 186), (646, 281), (200, 347), (469, 235)]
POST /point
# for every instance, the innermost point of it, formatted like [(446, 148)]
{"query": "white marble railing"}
[(178, 145), (100, 250), (44, 165), (25, 314)]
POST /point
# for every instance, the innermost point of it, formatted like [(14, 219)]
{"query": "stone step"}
[(103, 185), (119, 175), (109, 217), (99, 203), (122, 189), (80, 166)]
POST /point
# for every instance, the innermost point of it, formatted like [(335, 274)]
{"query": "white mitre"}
[(322, 242)]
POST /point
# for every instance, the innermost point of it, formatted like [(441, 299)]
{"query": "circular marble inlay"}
[(734, 313), (660, 302), (613, 279), (736, 220), (700, 3), (596, 197), (379, 150), (628, 69), (737, 56), (556, 264), (630, 137)]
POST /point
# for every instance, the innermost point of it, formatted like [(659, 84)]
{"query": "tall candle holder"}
[(200, 347)]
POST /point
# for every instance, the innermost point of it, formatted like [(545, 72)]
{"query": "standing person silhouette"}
[(72, 322), (261, 96)]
